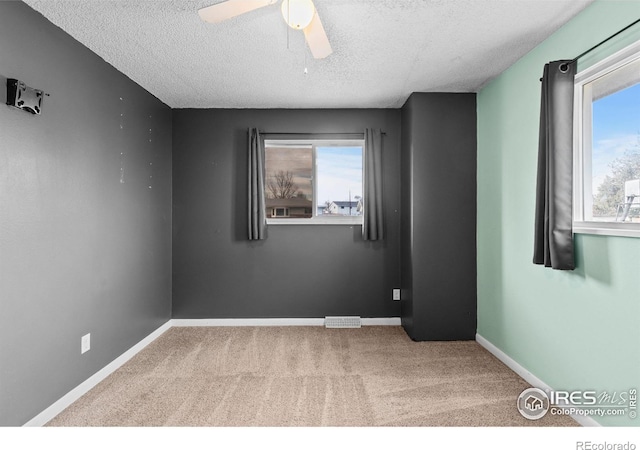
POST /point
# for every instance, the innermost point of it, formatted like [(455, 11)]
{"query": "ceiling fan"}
[(298, 14)]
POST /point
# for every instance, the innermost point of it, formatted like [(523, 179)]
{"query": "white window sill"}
[(608, 228), (357, 220)]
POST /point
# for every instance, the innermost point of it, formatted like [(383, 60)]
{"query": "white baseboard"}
[(311, 322), (73, 395), (292, 322), (528, 376), (381, 321)]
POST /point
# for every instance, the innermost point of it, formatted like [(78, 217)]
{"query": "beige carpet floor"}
[(305, 376)]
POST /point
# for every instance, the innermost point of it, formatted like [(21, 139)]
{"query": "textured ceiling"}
[(382, 50)]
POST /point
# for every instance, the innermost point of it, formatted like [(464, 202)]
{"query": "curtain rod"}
[(311, 134), (597, 45)]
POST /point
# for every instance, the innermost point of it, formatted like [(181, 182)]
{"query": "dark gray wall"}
[(439, 216), (80, 252), (300, 270), (406, 224)]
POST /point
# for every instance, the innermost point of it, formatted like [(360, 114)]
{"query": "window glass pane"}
[(615, 152), (289, 181), (339, 184), (314, 179)]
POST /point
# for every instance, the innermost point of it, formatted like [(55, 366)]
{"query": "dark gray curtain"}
[(257, 219), (373, 227), (553, 245)]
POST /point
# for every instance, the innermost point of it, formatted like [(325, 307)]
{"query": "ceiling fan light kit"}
[(298, 14)]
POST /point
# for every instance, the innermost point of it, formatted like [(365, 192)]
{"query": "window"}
[(314, 181), (607, 154), (280, 212)]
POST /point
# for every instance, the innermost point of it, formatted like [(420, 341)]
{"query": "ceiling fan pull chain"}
[(288, 19), (305, 59)]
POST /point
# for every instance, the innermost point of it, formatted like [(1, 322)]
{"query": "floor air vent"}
[(342, 322)]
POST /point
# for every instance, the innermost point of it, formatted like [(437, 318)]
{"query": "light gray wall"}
[(80, 252), (300, 270), (439, 216)]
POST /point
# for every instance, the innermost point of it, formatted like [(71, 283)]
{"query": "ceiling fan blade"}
[(231, 8), (317, 38)]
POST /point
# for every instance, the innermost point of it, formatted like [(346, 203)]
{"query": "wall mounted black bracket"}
[(21, 96)]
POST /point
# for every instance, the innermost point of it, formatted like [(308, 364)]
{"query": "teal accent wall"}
[(576, 330)]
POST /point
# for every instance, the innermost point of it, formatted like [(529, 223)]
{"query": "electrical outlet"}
[(396, 294), (85, 343)]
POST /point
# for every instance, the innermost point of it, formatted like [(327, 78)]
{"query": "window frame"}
[(315, 219), (583, 147)]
